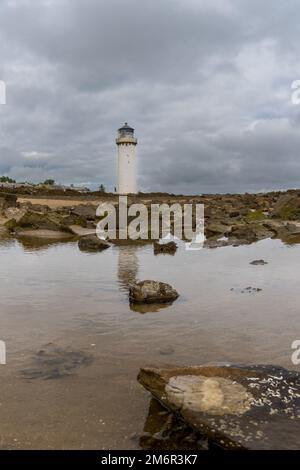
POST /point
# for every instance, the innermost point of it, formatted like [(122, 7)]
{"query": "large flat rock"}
[(235, 407), (45, 234)]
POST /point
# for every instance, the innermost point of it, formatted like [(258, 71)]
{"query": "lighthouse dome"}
[(126, 130)]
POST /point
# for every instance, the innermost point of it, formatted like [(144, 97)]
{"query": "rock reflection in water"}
[(36, 244), (163, 431), (148, 308)]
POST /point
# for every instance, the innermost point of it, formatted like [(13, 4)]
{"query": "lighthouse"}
[(126, 143)]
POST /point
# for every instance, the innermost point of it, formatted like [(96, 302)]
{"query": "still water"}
[(74, 345)]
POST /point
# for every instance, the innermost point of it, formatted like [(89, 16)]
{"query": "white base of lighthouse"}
[(127, 169)]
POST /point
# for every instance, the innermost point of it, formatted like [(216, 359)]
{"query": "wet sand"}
[(57, 202)]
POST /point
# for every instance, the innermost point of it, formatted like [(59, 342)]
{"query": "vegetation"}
[(6, 179), (256, 215), (288, 213), (49, 182)]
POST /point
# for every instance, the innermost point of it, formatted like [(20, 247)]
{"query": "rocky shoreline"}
[(230, 220)]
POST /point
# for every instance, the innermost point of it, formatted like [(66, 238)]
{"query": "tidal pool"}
[(75, 346)]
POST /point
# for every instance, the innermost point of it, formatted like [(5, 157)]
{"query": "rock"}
[(287, 231), (216, 243), (169, 248), (45, 234), (247, 290), (258, 262), (152, 292), (11, 225), (43, 209), (235, 407), (261, 231), (14, 213), (73, 219), (234, 214), (244, 211), (85, 211), (34, 220), (163, 431), (92, 243), (7, 200), (81, 231), (213, 229), (244, 232), (287, 207)]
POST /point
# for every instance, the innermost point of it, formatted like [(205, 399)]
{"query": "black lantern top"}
[(126, 130)]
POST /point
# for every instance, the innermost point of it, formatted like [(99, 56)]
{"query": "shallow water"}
[(80, 391)]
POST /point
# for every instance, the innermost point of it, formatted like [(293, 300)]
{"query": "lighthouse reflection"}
[(128, 271), (128, 266)]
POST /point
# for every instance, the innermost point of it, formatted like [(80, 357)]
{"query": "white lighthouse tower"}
[(126, 143)]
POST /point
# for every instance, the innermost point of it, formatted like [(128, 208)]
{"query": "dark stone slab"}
[(235, 407)]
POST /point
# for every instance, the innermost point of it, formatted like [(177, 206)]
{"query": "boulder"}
[(235, 407), (43, 208), (44, 234), (92, 243), (234, 214), (86, 211), (163, 431), (35, 220), (287, 207), (244, 232), (73, 219), (213, 229), (14, 213), (169, 248), (11, 225), (261, 231), (146, 292), (285, 231), (7, 200)]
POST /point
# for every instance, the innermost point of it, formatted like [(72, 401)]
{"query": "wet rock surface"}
[(45, 234), (234, 407), (92, 243), (52, 362), (148, 292), (164, 431), (31, 220), (167, 248), (86, 211), (247, 290), (7, 201), (287, 206), (258, 262)]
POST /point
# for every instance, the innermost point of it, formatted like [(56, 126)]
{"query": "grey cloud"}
[(205, 83)]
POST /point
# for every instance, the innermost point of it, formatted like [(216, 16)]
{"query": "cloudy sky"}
[(205, 83)]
